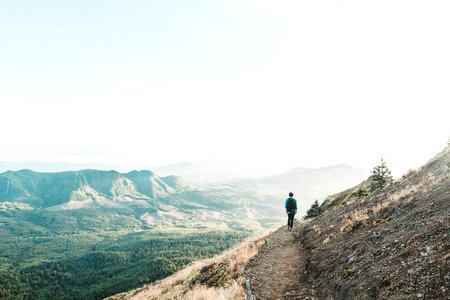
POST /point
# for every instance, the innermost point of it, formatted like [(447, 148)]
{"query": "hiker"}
[(291, 210)]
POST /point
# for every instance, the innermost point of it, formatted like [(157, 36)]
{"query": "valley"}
[(89, 234)]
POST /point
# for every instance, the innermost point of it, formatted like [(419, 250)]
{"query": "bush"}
[(361, 192), (314, 211)]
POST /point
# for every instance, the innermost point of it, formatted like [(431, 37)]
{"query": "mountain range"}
[(152, 199), (84, 188), (145, 190)]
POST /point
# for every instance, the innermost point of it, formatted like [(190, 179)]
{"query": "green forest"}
[(91, 255)]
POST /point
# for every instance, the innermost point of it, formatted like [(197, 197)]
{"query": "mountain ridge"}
[(43, 189)]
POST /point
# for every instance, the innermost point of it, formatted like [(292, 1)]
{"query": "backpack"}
[(291, 205)]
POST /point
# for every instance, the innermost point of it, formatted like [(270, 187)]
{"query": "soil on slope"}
[(274, 273), (392, 245)]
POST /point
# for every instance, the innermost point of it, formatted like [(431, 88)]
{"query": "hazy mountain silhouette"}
[(308, 184)]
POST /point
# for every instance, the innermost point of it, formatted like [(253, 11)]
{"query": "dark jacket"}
[(286, 205)]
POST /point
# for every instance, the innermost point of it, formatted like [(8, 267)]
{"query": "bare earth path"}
[(276, 272)]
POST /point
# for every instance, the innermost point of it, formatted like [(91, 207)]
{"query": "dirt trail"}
[(277, 272)]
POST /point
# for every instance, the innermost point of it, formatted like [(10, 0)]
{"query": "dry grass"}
[(361, 215), (201, 292), (350, 220), (415, 181), (184, 284)]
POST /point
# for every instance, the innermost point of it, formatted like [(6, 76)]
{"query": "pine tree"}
[(314, 211), (381, 177)]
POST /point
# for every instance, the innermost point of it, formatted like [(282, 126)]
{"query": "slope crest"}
[(391, 244)]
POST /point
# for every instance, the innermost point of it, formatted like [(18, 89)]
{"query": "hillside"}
[(345, 197), (391, 245), (216, 278)]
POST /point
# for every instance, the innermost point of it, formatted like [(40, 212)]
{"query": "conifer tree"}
[(381, 177), (314, 211)]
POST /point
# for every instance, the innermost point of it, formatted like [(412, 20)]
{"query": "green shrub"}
[(314, 211)]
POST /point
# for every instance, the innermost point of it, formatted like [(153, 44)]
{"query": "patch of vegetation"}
[(361, 192), (58, 255), (380, 178), (314, 211)]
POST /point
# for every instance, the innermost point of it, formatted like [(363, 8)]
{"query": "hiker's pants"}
[(291, 220)]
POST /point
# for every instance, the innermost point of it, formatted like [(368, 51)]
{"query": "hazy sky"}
[(271, 83)]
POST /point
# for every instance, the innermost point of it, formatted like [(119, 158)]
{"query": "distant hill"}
[(55, 166), (197, 172), (308, 184)]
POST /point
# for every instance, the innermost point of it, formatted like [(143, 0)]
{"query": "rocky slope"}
[(345, 197), (391, 245)]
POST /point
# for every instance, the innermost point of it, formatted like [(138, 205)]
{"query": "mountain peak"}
[(173, 181)]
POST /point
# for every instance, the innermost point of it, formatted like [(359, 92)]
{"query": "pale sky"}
[(269, 84)]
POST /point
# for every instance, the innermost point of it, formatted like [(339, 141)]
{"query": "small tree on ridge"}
[(381, 177), (314, 211)]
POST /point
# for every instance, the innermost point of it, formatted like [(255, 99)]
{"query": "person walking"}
[(291, 210)]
